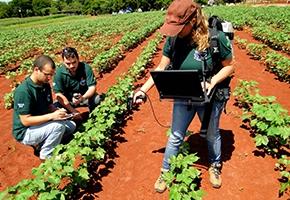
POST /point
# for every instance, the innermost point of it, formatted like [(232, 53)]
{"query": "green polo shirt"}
[(67, 84), (32, 99), (186, 57)]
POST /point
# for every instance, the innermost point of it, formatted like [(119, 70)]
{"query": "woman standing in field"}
[(187, 26)]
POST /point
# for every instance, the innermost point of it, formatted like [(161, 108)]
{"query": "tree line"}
[(26, 8)]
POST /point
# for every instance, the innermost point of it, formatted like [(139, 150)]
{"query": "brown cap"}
[(178, 14)]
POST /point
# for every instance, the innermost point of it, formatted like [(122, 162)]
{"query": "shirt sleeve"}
[(91, 80), (57, 82), (22, 102), (225, 47)]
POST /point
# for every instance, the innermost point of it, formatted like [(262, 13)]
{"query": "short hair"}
[(69, 52), (42, 60)]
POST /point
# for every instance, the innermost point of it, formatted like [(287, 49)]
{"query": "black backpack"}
[(215, 25)]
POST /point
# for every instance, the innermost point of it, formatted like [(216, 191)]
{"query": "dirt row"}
[(246, 173)]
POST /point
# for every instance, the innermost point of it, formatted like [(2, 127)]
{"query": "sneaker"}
[(202, 134), (160, 185), (215, 175)]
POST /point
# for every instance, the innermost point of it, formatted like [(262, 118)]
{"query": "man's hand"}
[(77, 99), (77, 116), (59, 114)]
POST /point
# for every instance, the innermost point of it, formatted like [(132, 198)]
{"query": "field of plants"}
[(117, 152)]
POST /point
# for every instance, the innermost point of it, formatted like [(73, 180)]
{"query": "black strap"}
[(204, 69), (173, 50)]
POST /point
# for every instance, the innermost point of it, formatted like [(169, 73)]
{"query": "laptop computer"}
[(180, 84)]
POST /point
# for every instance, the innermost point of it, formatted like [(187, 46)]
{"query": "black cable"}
[(154, 115)]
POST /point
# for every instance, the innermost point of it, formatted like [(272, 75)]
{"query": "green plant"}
[(182, 179), (8, 100), (256, 51), (242, 43), (283, 166), (246, 93), (270, 124)]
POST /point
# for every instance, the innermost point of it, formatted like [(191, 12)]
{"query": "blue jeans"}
[(182, 117), (49, 135)]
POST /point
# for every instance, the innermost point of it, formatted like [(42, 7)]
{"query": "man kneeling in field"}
[(74, 83), (36, 121)]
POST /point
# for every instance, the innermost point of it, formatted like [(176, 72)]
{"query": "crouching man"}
[(36, 121), (74, 83)]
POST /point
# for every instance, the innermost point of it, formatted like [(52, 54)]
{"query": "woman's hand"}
[(208, 87), (139, 97)]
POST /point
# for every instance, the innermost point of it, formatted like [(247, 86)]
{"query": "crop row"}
[(103, 62), (88, 144), (275, 62), (17, 21), (49, 37), (269, 122)]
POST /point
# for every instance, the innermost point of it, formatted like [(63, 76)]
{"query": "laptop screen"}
[(179, 84)]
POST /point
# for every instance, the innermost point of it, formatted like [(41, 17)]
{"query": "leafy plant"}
[(269, 123), (182, 179), (8, 100), (283, 166)]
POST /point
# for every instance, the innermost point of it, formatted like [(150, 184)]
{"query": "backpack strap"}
[(214, 49), (173, 50)]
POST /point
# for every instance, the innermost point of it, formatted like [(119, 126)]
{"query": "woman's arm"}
[(227, 70)]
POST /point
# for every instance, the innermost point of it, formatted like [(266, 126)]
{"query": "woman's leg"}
[(214, 145), (182, 117), (213, 133)]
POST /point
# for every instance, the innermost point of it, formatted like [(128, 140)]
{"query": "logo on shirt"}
[(199, 55), (20, 105), (83, 82)]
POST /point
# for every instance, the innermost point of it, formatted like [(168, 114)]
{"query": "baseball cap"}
[(178, 14)]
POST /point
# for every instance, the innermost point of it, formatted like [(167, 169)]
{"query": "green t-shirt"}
[(32, 99), (186, 57), (67, 84)]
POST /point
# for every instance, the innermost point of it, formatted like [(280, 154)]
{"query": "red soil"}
[(139, 150)]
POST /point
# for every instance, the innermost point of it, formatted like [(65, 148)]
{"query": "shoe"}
[(202, 133), (215, 175), (36, 149), (160, 185)]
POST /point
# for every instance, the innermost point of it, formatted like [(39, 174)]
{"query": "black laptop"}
[(180, 84)]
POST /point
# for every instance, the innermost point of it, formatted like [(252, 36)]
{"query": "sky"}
[(5, 0)]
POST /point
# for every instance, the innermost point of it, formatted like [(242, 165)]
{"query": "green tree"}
[(41, 7), (21, 8), (4, 10), (76, 7)]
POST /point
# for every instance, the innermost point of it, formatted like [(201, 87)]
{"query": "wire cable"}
[(154, 115)]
